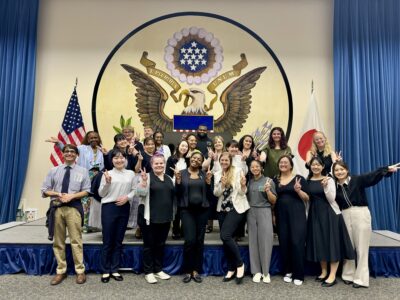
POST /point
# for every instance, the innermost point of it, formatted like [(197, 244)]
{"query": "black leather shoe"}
[(197, 278), (186, 278), (347, 282), (357, 286), (328, 284), (105, 279), (117, 277), (319, 279), (239, 280), (227, 279)]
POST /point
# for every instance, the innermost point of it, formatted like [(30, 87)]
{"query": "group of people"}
[(322, 218)]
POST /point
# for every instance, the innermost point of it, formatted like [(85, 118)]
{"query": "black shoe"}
[(319, 279), (239, 280), (357, 286), (117, 277), (197, 278), (186, 278), (328, 284), (105, 279), (227, 279), (347, 282)]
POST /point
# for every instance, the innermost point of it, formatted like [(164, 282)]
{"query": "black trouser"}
[(291, 227), (114, 219), (154, 237), (176, 224), (194, 222), (228, 223)]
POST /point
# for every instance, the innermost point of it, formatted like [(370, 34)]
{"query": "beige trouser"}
[(358, 223), (68, 217)]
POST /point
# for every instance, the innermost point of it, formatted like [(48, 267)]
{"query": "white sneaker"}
[(266, 279), (162, 275), (257, 277), (288, 278), (298, 282), (150, 278)]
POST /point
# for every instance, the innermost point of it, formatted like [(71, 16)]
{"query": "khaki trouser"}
[(68, 217), (358, 223)]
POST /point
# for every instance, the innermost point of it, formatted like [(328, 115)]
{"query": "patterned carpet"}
[(21, 286)]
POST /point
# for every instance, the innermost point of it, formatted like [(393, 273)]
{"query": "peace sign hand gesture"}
[(178, 175), (324, 181), (242, 179), (223, 180), (267, 186), (297, 185), (107, 177), (209, 175), (339, 156), (143, 177)]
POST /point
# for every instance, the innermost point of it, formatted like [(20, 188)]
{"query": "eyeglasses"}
[(70, 151)]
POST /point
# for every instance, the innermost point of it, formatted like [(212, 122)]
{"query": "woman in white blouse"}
[(117, 190)]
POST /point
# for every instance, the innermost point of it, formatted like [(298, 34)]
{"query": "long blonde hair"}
[(230, 173), (327, 148)]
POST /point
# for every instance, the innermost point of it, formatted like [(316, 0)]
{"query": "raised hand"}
[(394, 168), (339, 156), (52, 139), (223, 180), (140, 156), (297, 185), (242, 179), (267, 185), (137, 137), (210, 153), (325, 181), (143, 177), (102, 149), (107, 177), (209, 175)]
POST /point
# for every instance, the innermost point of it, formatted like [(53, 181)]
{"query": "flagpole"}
[(312, 86), (76, 83)]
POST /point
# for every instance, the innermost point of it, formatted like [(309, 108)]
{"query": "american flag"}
[(72, 129)]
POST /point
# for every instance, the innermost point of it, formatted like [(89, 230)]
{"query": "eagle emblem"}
[(193, 57)]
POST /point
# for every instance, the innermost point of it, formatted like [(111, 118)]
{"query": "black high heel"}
[(239, 280), (227, 279)]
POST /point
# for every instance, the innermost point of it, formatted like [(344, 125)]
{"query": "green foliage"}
[(123, 123)]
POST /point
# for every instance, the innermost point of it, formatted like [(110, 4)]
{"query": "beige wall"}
[(76, 36)]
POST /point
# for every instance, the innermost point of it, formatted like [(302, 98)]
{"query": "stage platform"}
[(24, 247)]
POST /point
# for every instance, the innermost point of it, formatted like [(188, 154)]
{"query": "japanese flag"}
[(312, 123)]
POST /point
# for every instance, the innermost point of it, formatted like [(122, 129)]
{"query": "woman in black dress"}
[(192, 185), (155, 214), (177, 161), (292, 193), (327, 238)]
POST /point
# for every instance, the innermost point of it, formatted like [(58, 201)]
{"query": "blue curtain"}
[(367, 98), (18, 23)]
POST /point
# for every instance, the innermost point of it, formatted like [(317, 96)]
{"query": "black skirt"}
[(327, 236)]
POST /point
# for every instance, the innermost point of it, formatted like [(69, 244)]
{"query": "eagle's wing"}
[(150, 100), (236, 101)]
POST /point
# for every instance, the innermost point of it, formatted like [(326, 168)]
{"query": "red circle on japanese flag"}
[(305, 143)]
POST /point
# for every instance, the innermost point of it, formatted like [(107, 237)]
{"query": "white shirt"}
[(122, 184)]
